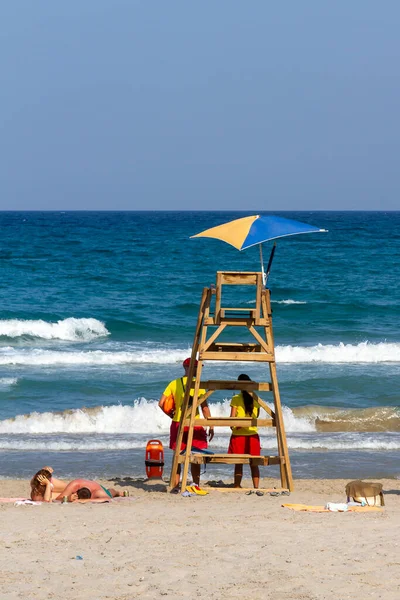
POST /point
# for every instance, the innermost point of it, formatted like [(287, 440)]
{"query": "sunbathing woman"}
[(45, 487), (245, 440)]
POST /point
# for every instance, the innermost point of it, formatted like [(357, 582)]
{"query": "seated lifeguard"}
[(171, 403)]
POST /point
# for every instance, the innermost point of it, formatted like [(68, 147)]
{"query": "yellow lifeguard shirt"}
[(238, 402), (177, 389)]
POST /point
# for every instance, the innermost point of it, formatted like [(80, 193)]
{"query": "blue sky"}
[(220, 104)]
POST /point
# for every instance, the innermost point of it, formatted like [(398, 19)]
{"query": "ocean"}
[(98, 311)]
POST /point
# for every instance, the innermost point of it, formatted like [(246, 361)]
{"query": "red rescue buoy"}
[(154, 459)]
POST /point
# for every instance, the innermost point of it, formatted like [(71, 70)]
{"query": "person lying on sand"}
[(85, 489), (40, 491), (84, 494), (45, 487)]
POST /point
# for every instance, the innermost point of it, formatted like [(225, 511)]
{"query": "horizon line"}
[(188, 210)]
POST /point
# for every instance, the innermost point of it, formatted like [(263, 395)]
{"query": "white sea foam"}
[(144, 417), (340, 442), (73, 445), (288, 301), (124, 427), (49, 358), (7, 381), (364, 352), (108, 442), (71, 329)]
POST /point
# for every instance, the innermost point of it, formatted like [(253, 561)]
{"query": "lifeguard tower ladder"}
[(207, 347)]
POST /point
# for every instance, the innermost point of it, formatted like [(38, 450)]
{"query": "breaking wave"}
[(71, 330), (364, 352), (144, 417), (6, 382), (49, 358)]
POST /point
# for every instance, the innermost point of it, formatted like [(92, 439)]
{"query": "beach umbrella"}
[(254, 230)]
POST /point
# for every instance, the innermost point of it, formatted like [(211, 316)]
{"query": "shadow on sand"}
[(219, 484), (159, 485), (147, 485)]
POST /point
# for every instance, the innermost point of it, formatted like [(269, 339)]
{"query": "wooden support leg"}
[(285, 469), (204, 305), (191, 425)]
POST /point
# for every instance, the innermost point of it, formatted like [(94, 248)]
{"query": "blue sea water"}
[(98, 310)]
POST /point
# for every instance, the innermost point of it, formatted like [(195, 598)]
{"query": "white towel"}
[(22, 502), (337, 507)]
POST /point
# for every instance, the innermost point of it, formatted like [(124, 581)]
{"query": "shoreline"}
[(306, 464), (137, 485)]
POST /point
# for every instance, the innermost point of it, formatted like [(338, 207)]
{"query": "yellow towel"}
[(309, 508)]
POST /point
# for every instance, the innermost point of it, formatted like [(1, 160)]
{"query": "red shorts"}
[(199, 437), (245, 444)]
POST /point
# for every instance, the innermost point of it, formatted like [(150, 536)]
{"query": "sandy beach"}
[(223, 545)]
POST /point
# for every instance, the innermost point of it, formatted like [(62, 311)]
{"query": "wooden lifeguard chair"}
[(207, 346)]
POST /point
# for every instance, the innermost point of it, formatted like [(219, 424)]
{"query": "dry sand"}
[(224, 545)]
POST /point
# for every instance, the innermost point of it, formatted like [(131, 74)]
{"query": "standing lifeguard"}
[(171, 403), (245, 440)]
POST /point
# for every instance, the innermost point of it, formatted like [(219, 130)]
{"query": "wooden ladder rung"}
[(249, 386), (237, 321), (237, 356), (234, 347), (232, 459), (236, 351), (224, 312), (232, 422)]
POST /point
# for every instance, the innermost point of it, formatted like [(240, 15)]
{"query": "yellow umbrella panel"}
[(233, 233)]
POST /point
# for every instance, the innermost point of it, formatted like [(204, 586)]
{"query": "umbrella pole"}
[(264, 279), (271, 258)]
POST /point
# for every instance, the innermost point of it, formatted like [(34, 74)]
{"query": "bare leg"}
[(195, 469), (238, 476), (255, 475), (177, 476), (115, 493)]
